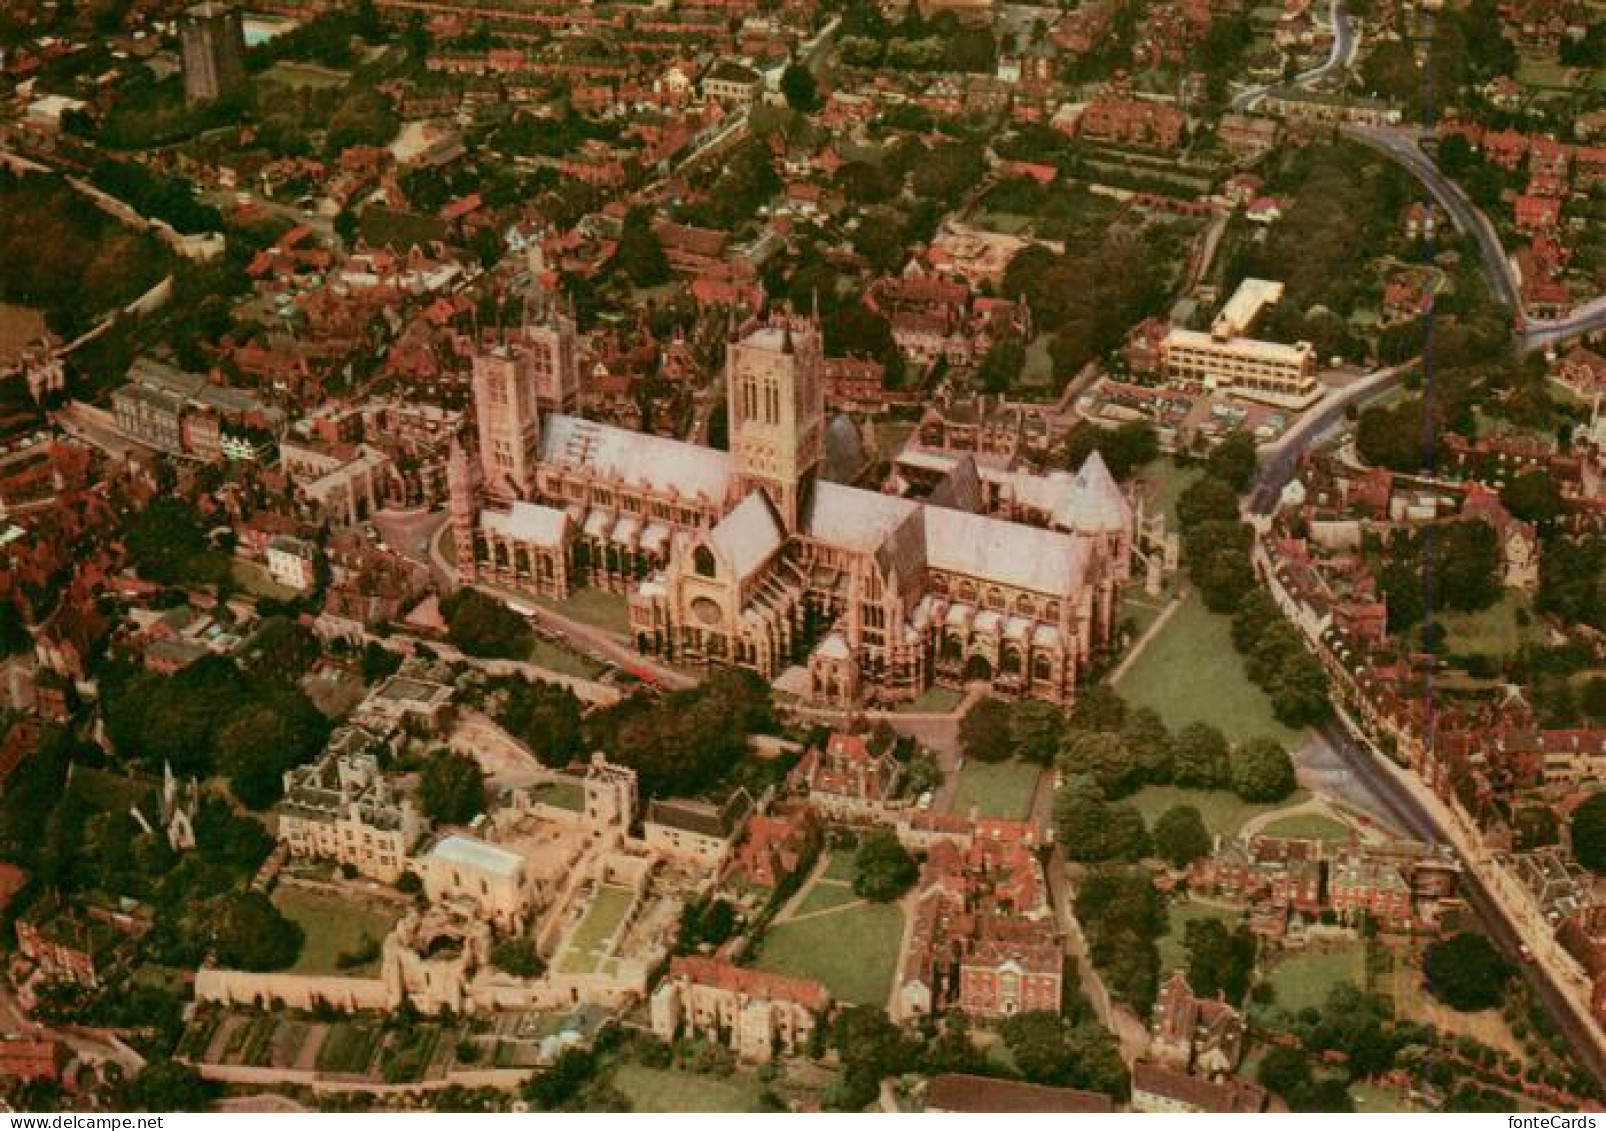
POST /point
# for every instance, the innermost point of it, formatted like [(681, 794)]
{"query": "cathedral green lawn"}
[(1189, 672), (671, 1090), (1224, 813), (997, 789), (854, 951)]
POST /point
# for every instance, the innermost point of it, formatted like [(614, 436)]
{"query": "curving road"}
[(1403, 146), (1341, 55), (1406, 797)]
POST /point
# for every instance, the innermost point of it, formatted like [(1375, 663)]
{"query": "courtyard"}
[(831, 935)]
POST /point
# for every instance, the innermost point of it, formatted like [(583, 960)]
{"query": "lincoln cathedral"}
[(760, 556)]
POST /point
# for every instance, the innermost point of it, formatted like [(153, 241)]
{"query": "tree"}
[(1534, 497), (1111, 761), (1234, 461), (518, 957), (1180, 836), (1589, 832), (1036, 730), (1262, 771), (546, 717), (451, 790), (1048, 1048), (984, 732), (1220, 959), (798, 86), (872, 1048), (1466, 972), (1001, 366), (640, 254), (167, 1085), (261, 742), (245, 931), (1093, 830), (883, 868), (1200, 756), (484, 627)]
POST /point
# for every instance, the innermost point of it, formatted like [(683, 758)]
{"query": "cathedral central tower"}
[(776, 411)]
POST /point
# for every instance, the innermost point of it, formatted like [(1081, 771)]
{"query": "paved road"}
[(1341, 55), (1409, 804), (1419, 819), (1403, 145)]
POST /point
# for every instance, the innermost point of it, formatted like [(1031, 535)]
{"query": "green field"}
[(854, 951), (348, 1047), (1492, 631), (1180, 914), (1304, 979), (608, 909), (333, 926), (839, 866), (997, 789), (1310, 826), (1170, 479), (560, 794), (1190, 672), (824, 895), (565, 661), (1224, 813), (596, 607), (933, 701), (669, 1090)]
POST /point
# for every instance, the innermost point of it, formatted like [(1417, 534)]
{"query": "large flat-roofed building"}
[(1255, 370), (755, 557), (1227, 359), (214, 51)]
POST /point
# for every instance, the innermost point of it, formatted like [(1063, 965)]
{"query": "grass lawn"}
[(1311, 826), (669, 1090), (1190, 672), (1375, 1098), (565, 661), (1180, 914), (1304, 979), (824, 895), (302, 75), (562, 794), (840, 867), (933, 701), (853, 951), (602, 918), (596, 607), (333, 927), (254, 579), (1224, 813), (1492, 631), (997, 789), (1170, 479)]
